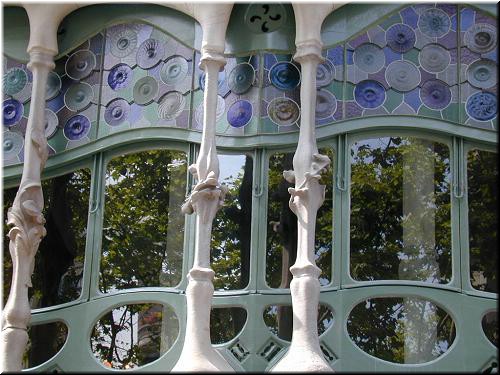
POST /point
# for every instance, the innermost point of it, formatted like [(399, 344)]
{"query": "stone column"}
[(205, 200), (308, 195), (26, 217)]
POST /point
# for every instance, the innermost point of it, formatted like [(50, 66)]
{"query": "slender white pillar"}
[(205, 200), (26, 218)]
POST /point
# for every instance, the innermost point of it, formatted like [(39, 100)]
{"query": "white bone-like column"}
[(205, 200), (306, 198), (26, 218)]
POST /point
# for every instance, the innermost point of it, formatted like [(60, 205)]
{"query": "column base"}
[(302, 359)]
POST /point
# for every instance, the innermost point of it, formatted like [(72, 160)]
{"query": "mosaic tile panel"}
[(237, 101), (71, 101), (478, 70), (407, 65), (280, 101), (329, 82), (147, 80)]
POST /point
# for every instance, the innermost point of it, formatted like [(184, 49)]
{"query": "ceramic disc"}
[(481, 38), (14, 81), (175, 70), (369, 94), (241, 78), (171, 105), (326, 104), (12, 112), (123, 40), (284, 75), (325, 73), (120, 76), (482, 73), (77, 127), (80, 64), (51, 122), (369, 57), (53, 87), (400, 38), (434, 23), (434, 58), (239, 113), (435, 94), (78, 96), (145, 90), (402, 76), (482, 106), (12, 144), (117, 111), (150, 53), (283, 111)]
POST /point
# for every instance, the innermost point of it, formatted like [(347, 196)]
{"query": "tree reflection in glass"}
[(400, 225), (231, 234), (482, 183), (143, 229), (401, 329), (134, 335)]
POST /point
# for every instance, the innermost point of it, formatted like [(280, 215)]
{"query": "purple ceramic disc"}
[(240, 113)]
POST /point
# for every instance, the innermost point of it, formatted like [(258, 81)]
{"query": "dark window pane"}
[(143, 229), (230, 246), (490, 327), (226, 323), (282, 224), (482, 182), (279, 320), (134, 335), (59, 261), (44, 341), (400, 225), (401, 329)]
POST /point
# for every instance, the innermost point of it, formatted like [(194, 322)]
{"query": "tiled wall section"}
[(424, 60)]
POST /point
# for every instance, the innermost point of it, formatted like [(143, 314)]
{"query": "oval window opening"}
[(490, 327), (279, 320), (226, 323), (44, 342), (406, 330), (133, 335)]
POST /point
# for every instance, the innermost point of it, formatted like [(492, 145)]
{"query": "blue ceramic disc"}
[(78, 96), (283, 111), (117, 112), (171, 105), (80, 64), (482, 106), (284, 75), (240, 113), (434, 58), (241, 78), (145, 90), (120, 76), (369, 57), (369, 94), (77, 127), (434, 23), (481, 38), (402, 76), (51, 122), (400, 38), (150, 53), (12, 112), (53, 87), (482, 73), (435, 94), (201, 81), (175, 70), (326, 104), (12, 144), (14, 81), (325, 73)]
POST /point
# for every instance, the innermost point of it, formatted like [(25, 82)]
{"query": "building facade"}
[(186, 174)]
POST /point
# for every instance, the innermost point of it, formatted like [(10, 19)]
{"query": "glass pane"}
[(482, 183), (44, 341), (400, 210), (490, 327), (282, 224), (401, 329), (230, 248), (134, 335), (143, 229), (226, 323), (58, 271), (279, 320)]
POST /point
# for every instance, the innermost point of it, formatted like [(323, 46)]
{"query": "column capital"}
[(212, 54), (309, 50)]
